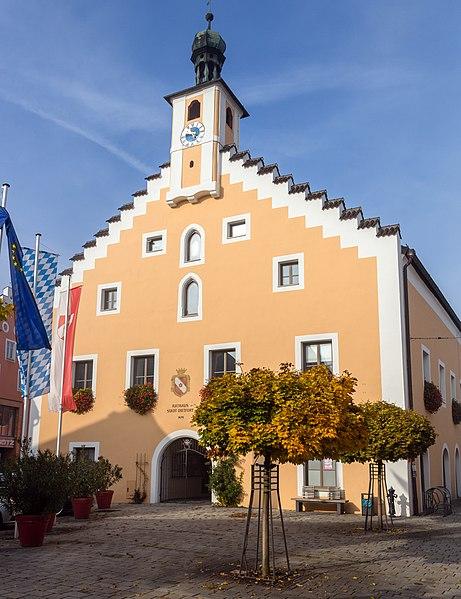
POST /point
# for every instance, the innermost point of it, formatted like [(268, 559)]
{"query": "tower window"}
[(191, 299), (193, 112), (229, 118), (193, 246)]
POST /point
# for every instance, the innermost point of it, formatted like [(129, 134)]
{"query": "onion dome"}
[(208, 53)]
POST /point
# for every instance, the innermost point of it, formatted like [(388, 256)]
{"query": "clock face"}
[(192, 134)]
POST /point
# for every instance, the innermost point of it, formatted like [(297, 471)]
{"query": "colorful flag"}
[(44, 292), (61, 381), (30, 331)]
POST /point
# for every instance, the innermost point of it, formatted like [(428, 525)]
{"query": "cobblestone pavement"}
[(178, 551)]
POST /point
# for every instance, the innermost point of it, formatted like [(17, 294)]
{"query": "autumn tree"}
[(280, 416), (5, 310), (393, 434)]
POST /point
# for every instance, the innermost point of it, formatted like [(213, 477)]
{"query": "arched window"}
[(193, 246), (446, 474), (229, 118), (193, 112), (191, 296)]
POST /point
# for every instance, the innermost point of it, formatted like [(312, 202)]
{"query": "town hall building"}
[(222, 262)]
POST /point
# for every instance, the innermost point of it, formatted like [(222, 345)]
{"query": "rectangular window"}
[(83, 374), (8, 421), (442, 383), (84, 453), (154, 244), (288, 273), (426, 366), (142, 370), (320, 473), (10, 350), (320, 352), (109, 299), (222, 361), (236, 228), (452, 386)]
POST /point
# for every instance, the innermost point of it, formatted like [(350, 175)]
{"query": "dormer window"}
[(229, 118), (193, 112)]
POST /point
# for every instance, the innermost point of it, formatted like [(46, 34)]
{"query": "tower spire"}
[(208, 52)]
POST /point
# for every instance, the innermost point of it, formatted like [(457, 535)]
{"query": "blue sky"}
[(358, 97)]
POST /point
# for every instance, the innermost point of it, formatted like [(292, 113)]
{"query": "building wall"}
[(9, 394), (340, 296), (429, 321)]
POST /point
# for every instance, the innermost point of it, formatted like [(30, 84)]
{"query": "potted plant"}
[(141, 398), (107, 475), (84, 400), (432, 397), (83, 485), (33, 487)]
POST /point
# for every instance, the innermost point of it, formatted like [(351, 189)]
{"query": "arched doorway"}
[(458, 472), (184, 471), (446, 469)]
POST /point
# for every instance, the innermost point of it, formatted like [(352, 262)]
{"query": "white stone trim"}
[(452, 378), (157, 458), (276, 260), (13, 345), (445, 446), (232, 219), (101, 287), (317, 338), (427, 479), (142, 352), (182, 282), (94, 359), (163, 234), (182, 246), (95, 444), (217, 346), (442, 383)]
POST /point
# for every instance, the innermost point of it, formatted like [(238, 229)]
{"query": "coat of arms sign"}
[(180, 382)]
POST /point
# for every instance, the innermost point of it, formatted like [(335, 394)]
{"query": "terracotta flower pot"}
[(82, 507), (50, 523), (104, 499), (31, 529)]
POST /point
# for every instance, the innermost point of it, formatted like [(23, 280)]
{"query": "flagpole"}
[(27, 400), (5, 188), (58, 439)]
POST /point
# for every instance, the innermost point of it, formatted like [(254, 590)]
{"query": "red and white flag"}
[(61, 386)]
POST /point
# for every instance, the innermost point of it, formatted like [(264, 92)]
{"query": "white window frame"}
[(101, 288), (300, 340), (92, 444), (229, 220), (86, 358), (13, 343), (207, 349), (276, 261), (453, 386), (182, 282), (443, 384), (142, 352), (426, 350), (163, 234), (182, 246)]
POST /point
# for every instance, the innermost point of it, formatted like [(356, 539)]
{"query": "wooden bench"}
[(301, 501), (324, 495)]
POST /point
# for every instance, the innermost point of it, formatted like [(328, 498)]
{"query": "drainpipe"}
[(409, 255)]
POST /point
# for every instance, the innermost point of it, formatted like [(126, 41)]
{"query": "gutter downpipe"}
[(409, 254)]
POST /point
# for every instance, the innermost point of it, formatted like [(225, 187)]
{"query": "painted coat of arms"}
[(180, 382)]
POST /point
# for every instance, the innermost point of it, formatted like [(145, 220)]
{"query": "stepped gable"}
[(141, 192), (127, 206), (165, 165), (304, 188), (102, 233), (66, 272), (89, 244), (113, 219), (77, 257)]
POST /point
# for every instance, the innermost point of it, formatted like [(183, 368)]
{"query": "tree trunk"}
[(265, 565)]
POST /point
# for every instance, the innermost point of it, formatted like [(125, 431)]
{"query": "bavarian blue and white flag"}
[(44, 294)]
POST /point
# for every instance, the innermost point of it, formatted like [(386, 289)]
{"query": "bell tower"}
[(205, 118)]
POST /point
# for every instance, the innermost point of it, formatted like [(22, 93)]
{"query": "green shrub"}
[(106, 474), (225, 484), (84, 479)]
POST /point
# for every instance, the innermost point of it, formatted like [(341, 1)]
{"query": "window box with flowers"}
[(84, 400), (142, 399), (432, 397), (456, 411)]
